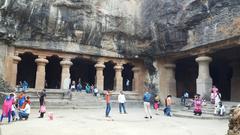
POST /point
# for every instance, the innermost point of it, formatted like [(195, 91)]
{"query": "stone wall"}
[(3, 53)]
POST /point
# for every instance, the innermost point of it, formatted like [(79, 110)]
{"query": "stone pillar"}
[(40, 76), (13, 75), (170, 79), (136, 79), (118, 77), (99, 75), (235, 85), (204, 81), (66, 64)]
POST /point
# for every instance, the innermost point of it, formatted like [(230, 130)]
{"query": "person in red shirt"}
[(108, 106)]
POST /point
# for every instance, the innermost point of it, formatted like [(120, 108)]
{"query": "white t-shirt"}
[(27, 109), (121, 98)]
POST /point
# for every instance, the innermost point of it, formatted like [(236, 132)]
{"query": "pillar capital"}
[(66, 62), (99, 65), (41, 61), (16, 59), (206, 59), (118, 67)]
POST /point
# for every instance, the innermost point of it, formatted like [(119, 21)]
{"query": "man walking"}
[(121, 100), (147, 99), (108, 106)]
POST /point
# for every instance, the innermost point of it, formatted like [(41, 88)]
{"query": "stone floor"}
[(93, 122)]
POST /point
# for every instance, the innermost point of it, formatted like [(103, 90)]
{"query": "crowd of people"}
[(18, 107)]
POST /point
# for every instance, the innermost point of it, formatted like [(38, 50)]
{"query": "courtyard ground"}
[(93, 122)]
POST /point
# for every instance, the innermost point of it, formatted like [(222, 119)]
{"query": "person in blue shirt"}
[(146, 101), (25, 86)]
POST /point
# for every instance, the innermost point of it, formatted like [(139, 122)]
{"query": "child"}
[(220, 109), (156, 104), (197, 105)]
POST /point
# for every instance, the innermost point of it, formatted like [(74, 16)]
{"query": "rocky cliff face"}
[(128, 27)]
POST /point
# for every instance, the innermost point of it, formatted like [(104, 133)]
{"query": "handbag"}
[(42, 109)]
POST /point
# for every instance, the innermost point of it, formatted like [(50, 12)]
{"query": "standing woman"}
[(42, 96)]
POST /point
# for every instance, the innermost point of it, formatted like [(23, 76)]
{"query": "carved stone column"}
[(118, 77), (136, 79), (13, 75), (235, 85), (170, 79), (204, 81), (99, 75), (40, 76), (66, 64)]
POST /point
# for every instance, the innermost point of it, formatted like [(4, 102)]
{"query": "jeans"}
[(167, 111), (23, 115), (9, 117), (108, 109), (122, 106)]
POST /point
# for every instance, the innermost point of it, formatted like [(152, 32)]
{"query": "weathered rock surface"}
[(234, 122), (128, 27)]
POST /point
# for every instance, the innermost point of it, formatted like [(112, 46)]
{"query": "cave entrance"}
[(53, 73), (109, 75), (186, 74), (127, 75), (83, 71), (27, 69)]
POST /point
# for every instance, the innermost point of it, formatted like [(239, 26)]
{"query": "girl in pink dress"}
[(197, 105)]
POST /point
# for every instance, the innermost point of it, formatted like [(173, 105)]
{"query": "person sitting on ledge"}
[(220, 109), (25, 110)]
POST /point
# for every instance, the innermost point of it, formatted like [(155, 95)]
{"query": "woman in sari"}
[(7, 107)]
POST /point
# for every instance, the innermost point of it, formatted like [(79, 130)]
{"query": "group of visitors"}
[(79, 88), (18, 107), (22, 86), (197, 102), (121, 101)]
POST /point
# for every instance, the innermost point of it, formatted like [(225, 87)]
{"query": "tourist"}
[(146, 101), (156, 104), (121, 101), (108, 105), (220, 109), (168, 102), (184, 97), (25, 110), (19, 87), (217, 98), (79, 87), (25, 86), (42, 97), (197, 105), (214, 92), (127, 84), (88, 88), (7, 107), (21, 99), (95, 91), (92, 88), (73, 86)]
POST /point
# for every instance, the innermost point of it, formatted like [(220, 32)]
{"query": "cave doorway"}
[(53, 73), (27, 68), (109, 75), (186, 74), (127, 75), (83, 71)]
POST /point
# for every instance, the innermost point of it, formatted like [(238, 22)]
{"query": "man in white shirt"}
[(24, 113), (121, 100)]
